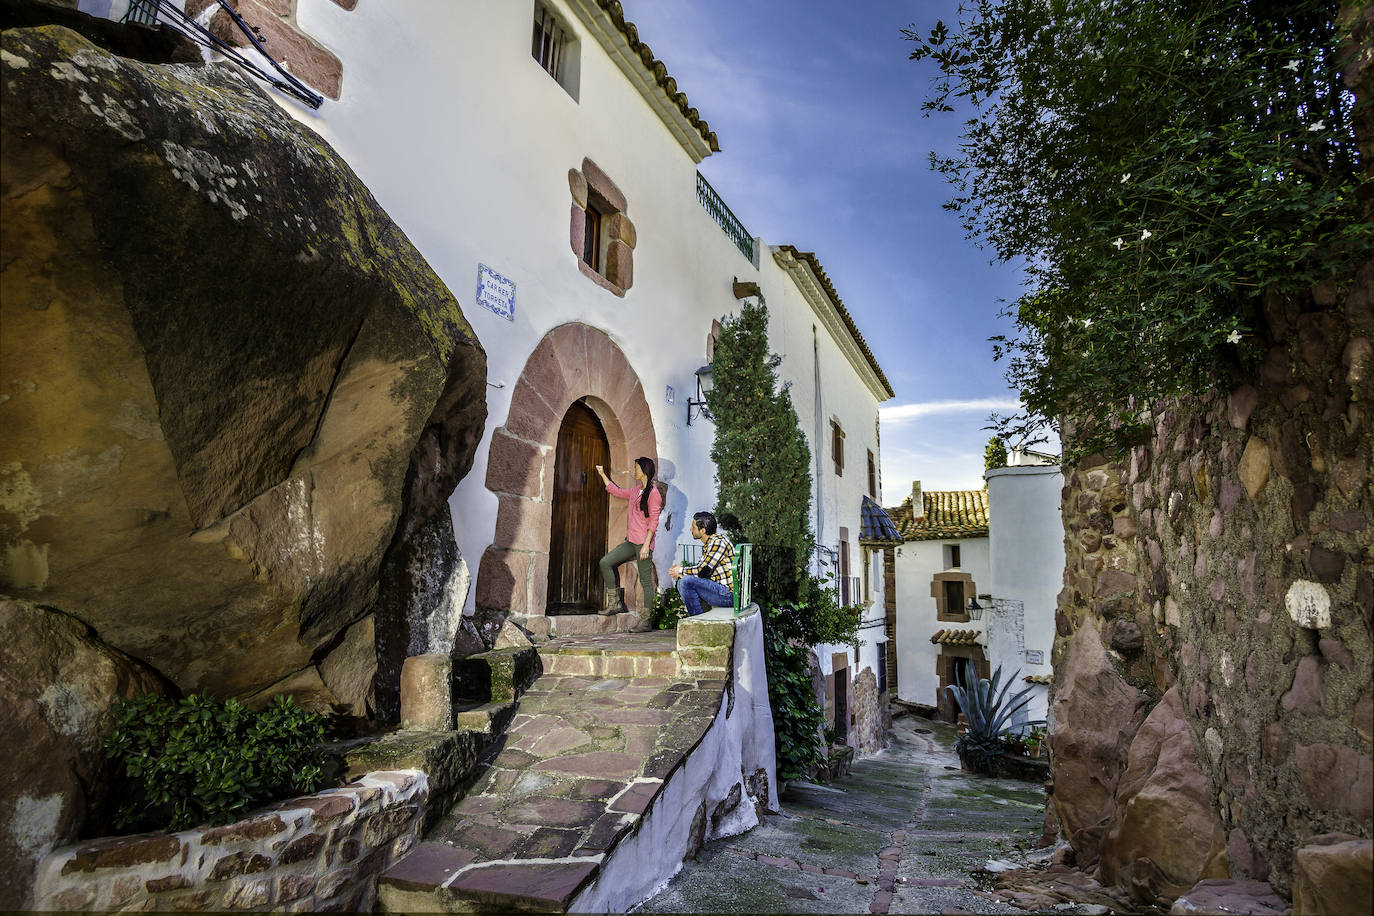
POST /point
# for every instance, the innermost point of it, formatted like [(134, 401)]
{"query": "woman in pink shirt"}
[(646, 502)]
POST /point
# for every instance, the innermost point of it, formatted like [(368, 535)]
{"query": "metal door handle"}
[(584, 478)]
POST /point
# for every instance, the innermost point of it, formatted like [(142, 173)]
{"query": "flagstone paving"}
[(581, 761), (903, 833)]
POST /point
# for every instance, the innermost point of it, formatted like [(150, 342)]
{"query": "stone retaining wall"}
[(319, 852)]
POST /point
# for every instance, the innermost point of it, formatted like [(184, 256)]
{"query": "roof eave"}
[(606, 22), (818, 291)]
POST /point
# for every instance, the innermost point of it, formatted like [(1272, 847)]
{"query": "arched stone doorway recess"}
[(574, 362)]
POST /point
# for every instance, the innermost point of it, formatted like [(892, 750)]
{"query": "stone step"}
[(624, 655), (484, 718), (577, 773), (497, 676)]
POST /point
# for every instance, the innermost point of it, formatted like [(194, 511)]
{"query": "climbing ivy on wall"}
[(1160, 170)]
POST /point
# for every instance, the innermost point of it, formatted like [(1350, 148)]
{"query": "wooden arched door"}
[(577, 539)]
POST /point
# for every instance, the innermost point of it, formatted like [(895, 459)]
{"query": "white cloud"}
[(901, 412)]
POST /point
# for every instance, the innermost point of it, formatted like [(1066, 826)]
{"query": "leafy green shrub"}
[(668, 610), (1160, 170), (197, 760), (796, 714), (987, 710), (995, 454), (815, 616)]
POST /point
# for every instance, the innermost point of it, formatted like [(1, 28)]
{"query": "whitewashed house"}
[(942, 565), (545, 164), (977, 579), (1026, 559)]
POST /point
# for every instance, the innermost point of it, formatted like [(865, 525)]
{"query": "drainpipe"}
[(820, 443)]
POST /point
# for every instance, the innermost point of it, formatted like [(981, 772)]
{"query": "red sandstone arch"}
[(573, 361)]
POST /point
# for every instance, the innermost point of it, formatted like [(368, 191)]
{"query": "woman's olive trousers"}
[(624, 553)]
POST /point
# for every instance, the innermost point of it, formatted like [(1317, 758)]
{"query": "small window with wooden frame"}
[(601, 234), (951, 591), (837, 446), (872, 476)]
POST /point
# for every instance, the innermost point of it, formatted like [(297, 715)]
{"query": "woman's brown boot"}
[(614, 603)]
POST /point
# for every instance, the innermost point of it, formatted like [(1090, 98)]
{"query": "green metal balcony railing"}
[(725, 219)]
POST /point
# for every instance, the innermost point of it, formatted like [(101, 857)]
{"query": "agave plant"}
[(986, 707)]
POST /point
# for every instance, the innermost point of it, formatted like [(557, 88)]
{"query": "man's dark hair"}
[(705, 521)]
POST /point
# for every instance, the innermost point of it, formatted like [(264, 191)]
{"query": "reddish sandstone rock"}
[(1096, 715), (1224, 896), (1162, 838), (1334, 874)]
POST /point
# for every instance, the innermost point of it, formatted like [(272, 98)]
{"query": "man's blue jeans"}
[(695, 590)]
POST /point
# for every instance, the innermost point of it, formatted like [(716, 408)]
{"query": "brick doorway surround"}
[(573, 362)]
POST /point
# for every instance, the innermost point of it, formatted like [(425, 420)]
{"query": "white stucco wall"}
[(467, 143), (1026, 553), (917, 562)]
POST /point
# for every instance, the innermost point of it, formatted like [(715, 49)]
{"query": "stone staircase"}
[(578, 757)]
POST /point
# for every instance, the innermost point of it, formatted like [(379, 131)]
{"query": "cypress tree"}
[(762, 460)]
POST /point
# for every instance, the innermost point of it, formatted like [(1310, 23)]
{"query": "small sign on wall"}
[(668, 394), (495, 292), (1035, 656)]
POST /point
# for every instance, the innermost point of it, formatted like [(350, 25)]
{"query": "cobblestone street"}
[(901, 834)]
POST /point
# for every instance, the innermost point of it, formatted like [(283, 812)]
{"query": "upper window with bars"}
[(554, 48)]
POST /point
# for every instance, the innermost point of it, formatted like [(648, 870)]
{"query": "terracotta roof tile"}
[(660, 72), (953, 637), (947, 514), (1038, 679)]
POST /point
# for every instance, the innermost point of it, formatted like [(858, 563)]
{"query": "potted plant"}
[(1035, 741), (987, 708)]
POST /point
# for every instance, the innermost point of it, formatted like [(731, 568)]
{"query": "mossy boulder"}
[(230, 383)]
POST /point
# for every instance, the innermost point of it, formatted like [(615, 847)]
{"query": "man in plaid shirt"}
[(713, 579)]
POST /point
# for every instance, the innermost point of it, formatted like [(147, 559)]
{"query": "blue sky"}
[(824, 146)]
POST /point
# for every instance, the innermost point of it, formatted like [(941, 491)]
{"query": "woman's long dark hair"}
[(649, 468)]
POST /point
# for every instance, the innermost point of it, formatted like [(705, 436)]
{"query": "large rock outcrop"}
[(1162, 838), (221, 364), (1096, 714), (58, 685)]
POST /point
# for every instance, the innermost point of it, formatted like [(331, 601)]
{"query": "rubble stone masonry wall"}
[(320, 852), (1229, 559)]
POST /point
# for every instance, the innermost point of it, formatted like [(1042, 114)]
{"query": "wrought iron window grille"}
[(161, 12)]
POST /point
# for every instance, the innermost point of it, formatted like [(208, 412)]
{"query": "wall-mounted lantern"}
[(975, 610), (698, 403)]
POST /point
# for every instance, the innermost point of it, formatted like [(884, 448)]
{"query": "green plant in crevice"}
[(988, 709), (197, 760)]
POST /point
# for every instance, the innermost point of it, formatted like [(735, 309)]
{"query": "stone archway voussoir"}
[(514, 465), (530, 416)]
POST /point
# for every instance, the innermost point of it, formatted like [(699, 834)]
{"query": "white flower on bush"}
[(1119, 243), (1292, 65), (1233, 337), (1145, 234), (1316, 126)]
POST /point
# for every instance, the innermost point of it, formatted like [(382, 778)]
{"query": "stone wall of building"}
[(319, 852), (872, 714), (1225, 567)]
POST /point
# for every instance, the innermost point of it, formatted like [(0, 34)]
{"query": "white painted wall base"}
[(738, 744)]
